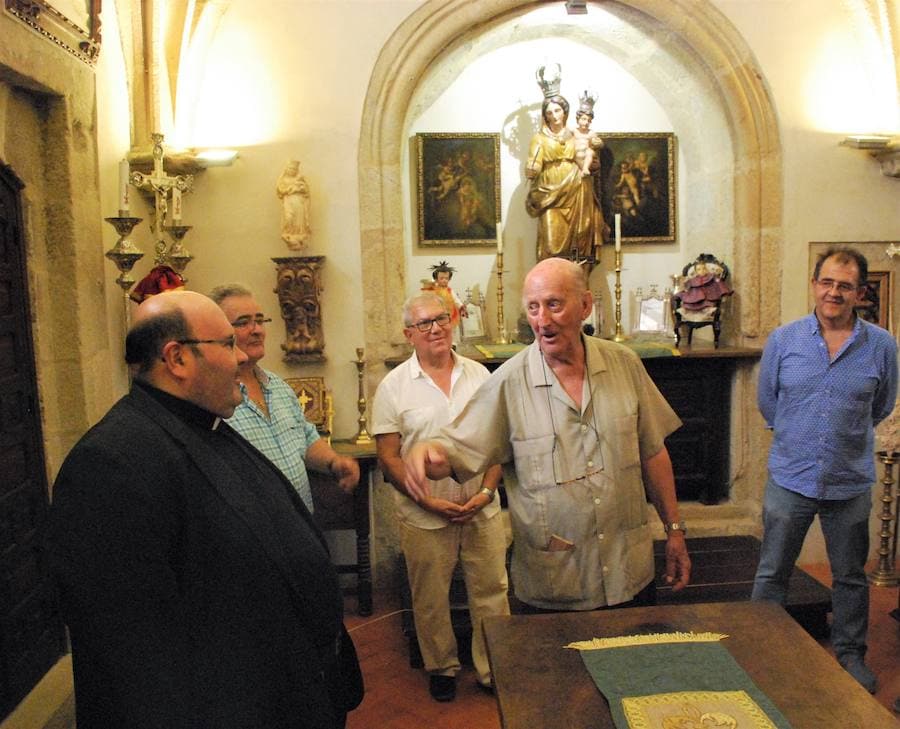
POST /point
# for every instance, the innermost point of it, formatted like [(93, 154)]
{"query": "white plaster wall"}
[(282, 80)]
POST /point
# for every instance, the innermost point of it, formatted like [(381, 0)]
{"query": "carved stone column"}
[(299, 287)]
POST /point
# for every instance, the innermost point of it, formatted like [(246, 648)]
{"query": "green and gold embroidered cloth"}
[(676, 681)]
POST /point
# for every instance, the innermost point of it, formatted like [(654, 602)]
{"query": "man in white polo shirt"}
[(457, 522)]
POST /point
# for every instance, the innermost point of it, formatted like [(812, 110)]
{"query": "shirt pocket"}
[(534, 462), (627, 443), (419, 422)]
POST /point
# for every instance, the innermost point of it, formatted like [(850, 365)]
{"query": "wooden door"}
[(31, 634)]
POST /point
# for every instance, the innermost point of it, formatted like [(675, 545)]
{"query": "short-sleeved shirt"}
[(409, 403), (823, 410), (284, 436), (571, 474)]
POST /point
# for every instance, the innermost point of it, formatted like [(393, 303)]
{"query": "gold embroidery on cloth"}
[(695, 710), (625, 641)]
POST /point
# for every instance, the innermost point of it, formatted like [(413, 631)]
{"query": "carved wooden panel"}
[(31, 634)]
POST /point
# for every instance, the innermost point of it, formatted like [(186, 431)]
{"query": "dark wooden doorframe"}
[(31, 632)]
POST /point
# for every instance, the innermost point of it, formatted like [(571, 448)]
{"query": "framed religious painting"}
[(639, 184), (880, 299), (458, 189)]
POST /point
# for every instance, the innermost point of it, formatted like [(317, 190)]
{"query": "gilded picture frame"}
[(73, 25), (639, 179), (457, 188), (875, 305)]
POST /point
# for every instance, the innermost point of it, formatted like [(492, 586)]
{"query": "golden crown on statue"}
[(549, 78)]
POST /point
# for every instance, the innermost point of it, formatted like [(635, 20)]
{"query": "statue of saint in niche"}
[(562, 168), (293, 191)]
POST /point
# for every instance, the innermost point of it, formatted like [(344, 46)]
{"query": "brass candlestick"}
[(362, 436), (885, 574), (502, 336), (124, 254), (619, 336)]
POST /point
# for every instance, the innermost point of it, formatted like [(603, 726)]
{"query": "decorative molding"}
[(83, 43)]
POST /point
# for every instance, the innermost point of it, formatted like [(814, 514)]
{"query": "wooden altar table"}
[(540, 683)]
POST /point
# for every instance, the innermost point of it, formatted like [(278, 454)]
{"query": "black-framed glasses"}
[(842, 286), (227, 342), (243, 322), (425, 324)]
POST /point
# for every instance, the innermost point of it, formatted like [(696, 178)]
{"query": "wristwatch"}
[(676, 526), (490, 493)]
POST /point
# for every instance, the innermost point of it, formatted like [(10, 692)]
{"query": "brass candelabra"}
[(362, 436), (124, 254), (885, 573), (502, 334), (619, 335)]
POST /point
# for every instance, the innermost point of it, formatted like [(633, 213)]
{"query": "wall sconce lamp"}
[(215, 157), (883, 147)]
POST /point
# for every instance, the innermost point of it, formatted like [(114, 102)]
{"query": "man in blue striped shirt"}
[(825, 381), (269, 415)]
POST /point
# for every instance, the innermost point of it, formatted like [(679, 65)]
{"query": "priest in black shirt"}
[(197, 591)]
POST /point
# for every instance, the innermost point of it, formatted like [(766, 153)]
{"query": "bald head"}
[(188, 303), (181, 343), (556, 301), (560, 273)]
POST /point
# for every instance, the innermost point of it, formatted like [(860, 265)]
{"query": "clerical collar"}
[(187, 411)]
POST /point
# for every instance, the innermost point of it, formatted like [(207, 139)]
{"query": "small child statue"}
[(586, 141), (441, 273)]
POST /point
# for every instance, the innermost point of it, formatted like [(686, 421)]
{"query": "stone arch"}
[(731, 68)]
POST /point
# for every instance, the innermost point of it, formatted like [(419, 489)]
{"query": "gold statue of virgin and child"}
[(564, 169)]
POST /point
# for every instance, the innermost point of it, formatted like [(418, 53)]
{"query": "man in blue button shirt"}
[(825, 381)]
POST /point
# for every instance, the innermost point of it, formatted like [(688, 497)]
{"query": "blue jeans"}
[(787, 517)]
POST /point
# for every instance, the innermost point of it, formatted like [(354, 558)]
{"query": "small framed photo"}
[(652, 317), (472, 325), (639, 184), (458, 189)]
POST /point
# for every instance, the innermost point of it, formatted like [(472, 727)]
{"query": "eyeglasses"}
[(248, 321), (227, 342), (586, 475), (584, 426), (425, 325), (842, 286)]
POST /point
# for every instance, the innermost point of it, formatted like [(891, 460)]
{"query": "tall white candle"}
[(124, 173), (176, 205), (618, 232), (499, 240)]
